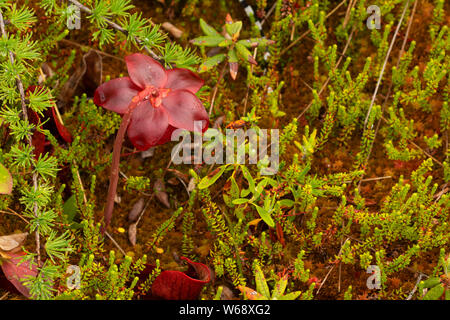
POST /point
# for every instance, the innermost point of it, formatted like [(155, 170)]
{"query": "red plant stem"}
[(114, 175)]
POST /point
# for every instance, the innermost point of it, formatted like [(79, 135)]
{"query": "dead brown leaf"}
[(160, 192), (136, 210), (132, 232), (179, 175), (12, 241), (177, 33)]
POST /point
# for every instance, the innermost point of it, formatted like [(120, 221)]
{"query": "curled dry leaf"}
[(160, 192), (12, 241), (191, 185), (227, 294), (47, 72), (148, 153), (14, 271), (136, 210), (132, 233), (234, 67), (219, 122), (177, 33), (173, 181), (177, 285), (179, 175)]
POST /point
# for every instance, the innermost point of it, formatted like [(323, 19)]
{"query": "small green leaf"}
[(225, 43), (207, 29), (232, 56), (290, 296), (208, 41), (256, 42), (244, 54), (70, 208), (248, 176), (227, 200), (264, 214), (211, 62), (245, 192), (431, 282), (218, 293), (261, 283), (208, 181), (6, 181), (233, 29), (261, 185), (286, 203), (434, 293), (240, 201), (280, 286), (234, 188)]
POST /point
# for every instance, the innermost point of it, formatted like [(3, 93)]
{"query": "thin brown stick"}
[(216, 87), (13, 213), (326, 277), (425, 153), (115, 243), (376, 179), (411, 294), (117, 27), (114, 175), (390, 86), (269, 13), (347, 13), (405, 40), (372, 101), (73, 43), (248, 87)]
